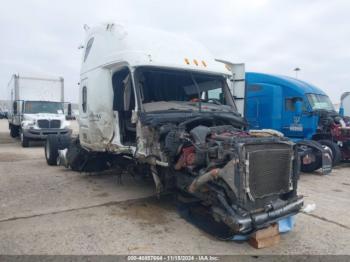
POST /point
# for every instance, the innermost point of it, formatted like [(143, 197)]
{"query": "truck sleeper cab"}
[(300, 111), (162, 114)]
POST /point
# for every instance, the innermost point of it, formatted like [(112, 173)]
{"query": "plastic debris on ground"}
[(309, 208)]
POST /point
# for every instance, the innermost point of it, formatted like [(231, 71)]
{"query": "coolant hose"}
[(203, 179)]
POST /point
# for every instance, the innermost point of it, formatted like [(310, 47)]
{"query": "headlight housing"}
[(65, 124), (28, 123)]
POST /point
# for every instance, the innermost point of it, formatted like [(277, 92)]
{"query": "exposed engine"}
[(333, 124), (335, 128), (248, 180)]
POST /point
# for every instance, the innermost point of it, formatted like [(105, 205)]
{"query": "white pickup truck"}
[(36, 107)]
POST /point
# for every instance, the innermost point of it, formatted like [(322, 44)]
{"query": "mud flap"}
[(305, 146), (326, 162)]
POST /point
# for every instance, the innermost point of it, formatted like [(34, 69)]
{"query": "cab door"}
[(292, 117), (124, 106)]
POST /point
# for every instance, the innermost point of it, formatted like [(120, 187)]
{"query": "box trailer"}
[(36, 107)]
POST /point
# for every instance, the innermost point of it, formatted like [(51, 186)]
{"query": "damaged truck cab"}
[(160, 105)]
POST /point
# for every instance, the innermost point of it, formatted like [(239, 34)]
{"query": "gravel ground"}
[(51, 210)]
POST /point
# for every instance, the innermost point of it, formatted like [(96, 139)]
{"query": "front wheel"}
[(14, 131), (334, 148), (24, 140), (51, 150)]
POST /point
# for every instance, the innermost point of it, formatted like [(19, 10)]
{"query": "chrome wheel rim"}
[(329, 150)]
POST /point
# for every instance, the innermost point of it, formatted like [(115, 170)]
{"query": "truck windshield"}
[(35, 107), (318, 102), (162, 89)]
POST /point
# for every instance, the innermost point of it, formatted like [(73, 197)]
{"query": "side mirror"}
[(298, 107), (69, 110), (14, 107)]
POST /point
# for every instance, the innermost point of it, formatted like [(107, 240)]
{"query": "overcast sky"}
[(269, 36)]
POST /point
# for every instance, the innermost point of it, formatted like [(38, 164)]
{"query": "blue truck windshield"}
[(318, 102), (35, 107)]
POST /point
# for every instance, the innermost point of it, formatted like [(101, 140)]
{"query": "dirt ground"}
[(52, 210)]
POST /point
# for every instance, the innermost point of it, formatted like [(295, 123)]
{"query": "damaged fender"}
[(312, 151)]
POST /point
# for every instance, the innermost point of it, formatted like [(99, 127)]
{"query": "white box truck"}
[(36, 107)]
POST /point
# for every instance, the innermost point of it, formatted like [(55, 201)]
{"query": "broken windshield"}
[(162, 89)]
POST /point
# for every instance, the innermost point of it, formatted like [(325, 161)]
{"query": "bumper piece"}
[(41, 134), (250, 223)]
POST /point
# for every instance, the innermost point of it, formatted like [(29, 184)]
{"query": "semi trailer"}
[(36, 107), (159, 105), (303, 113)]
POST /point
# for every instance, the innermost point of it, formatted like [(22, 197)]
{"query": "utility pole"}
[(297, 69)]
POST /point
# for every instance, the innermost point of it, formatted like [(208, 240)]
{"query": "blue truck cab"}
[(301, 111), (273, 102)]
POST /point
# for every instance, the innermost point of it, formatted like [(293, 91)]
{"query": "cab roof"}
[(142, 46), (344, 95), (289, 82)]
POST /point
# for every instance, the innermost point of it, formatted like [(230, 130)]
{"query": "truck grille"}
[(55, 124), (270, 168), (44, 123)]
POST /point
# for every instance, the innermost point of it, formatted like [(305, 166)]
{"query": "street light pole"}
[(297, 69)]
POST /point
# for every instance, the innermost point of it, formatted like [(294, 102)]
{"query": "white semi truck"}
[(36, 107), (345, 104), (160, 105)]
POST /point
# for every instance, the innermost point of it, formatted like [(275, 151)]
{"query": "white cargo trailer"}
[(345, 103), (36, 107)]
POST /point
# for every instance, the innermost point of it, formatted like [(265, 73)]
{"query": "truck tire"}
[(51, 150), (336, 153), (24, 140), (14, 131), (317, 164)]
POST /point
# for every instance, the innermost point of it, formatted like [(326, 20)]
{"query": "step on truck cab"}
[(302, 112), (159, 105), (36, 107)]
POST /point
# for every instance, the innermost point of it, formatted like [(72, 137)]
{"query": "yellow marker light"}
[(204, 63), (195, 62), (228, 67), (187, 61)]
